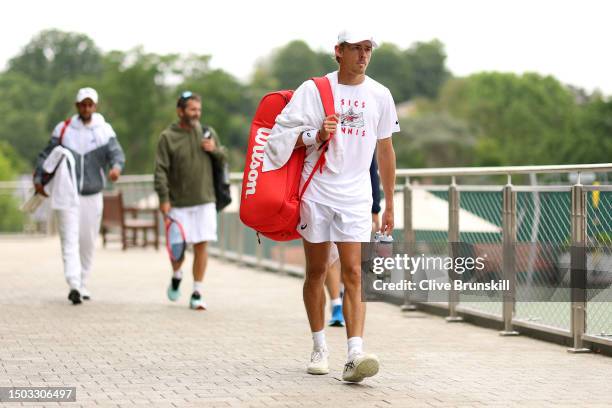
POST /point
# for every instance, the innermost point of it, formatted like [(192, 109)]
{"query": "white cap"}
[(85, 93), (355, 37)]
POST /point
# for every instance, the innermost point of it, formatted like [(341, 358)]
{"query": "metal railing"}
[(570, 215), (558, 215), (561, 215)]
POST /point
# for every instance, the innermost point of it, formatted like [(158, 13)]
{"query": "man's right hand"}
[(329, 126), (40, 189), (164, 208)]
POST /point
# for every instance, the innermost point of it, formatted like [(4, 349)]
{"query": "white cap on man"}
[(85, 93), (351, 37)]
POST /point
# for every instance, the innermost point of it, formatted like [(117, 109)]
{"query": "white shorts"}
[(199, 222), (322, 223)]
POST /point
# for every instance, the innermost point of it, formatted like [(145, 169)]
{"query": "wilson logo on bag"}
[(257, 155), (270, 201)]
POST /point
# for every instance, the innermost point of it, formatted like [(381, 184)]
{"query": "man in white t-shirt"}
[(336, 206)]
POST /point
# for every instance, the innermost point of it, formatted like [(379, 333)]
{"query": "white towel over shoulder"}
[(304, 112), (62, 188)]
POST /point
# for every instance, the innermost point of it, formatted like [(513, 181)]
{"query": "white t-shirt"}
[(367, 113)]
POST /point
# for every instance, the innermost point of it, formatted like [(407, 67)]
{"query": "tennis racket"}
[(175, 239)]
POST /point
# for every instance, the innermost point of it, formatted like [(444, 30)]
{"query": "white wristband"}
[(309, 137)]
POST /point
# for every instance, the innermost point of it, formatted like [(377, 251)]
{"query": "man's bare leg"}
[(332, 280), (200, 261), (353, 308), (332, 283), (317, 256), (359, 365)]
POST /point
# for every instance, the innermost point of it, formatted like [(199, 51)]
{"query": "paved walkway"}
[(130, 346)]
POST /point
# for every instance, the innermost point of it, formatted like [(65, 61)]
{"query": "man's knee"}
[(316, 273), (199, 248), (351, 275)]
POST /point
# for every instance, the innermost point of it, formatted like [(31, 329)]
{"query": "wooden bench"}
[(116, 216)]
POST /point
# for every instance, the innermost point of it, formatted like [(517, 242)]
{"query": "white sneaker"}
[(318, 362), (85, 293), (359, 367), (197, 302)]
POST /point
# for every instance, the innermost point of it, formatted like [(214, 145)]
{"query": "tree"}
[(135, 104), (11, 219), (294, 63), (22, 109), (426, 64), (225, 105), (593, 140), (518, 120), (434, 140), (54, 55), (391, 69)]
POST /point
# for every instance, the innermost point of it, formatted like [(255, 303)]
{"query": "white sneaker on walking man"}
[(337, 204)]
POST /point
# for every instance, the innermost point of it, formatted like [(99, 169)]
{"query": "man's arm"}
[(162, 168), (375, 181), (116, 158), (386, 164), (314, 136)]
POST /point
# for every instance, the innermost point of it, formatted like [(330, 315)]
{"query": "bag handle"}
[(66, 123), (327, 99)]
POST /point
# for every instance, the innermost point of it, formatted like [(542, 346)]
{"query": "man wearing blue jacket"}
[(97, 155)]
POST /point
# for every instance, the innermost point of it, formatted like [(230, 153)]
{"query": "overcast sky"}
[(568, 39)]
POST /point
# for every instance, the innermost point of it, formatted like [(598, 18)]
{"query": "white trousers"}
[(79, 228)]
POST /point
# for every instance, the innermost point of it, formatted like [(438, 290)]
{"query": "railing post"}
[(409, 242), (281, 260), (578, 268), (509, 258), (259, 251), (240, 240), (221, 229), (453, 244), (239, 232)]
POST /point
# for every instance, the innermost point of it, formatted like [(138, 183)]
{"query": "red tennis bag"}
[(270, 201)]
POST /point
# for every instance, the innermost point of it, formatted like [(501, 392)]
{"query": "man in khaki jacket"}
[(184, 184)]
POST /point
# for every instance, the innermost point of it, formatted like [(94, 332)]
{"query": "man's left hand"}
[(209, 145), (386, 227), (114, 173)]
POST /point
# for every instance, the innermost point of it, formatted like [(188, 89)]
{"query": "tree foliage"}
[(517, 119), (487, 118), (11, 219), (53, 55)]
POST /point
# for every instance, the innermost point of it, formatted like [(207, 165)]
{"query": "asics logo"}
[(257, 156)]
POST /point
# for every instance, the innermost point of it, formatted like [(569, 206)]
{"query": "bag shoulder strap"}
[(326, 94), (327, 99), (66, 123)]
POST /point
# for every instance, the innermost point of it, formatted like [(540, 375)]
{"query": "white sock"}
[(198, 287), (319, 340), (178, 274), (355, 346), (336, 302)]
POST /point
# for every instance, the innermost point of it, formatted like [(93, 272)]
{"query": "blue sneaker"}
[(173, 289), (337, 318)]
